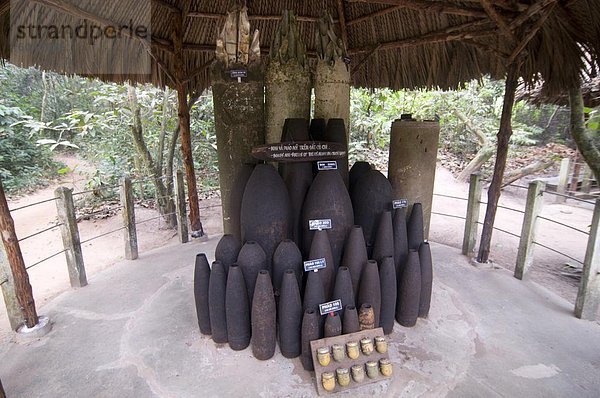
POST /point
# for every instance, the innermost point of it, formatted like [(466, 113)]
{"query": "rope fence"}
[(46, 259), (154, 218), (102, 235), (40, 232), (568, 197), (32, 204)]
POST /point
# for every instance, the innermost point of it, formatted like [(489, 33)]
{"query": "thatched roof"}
[(590, 90), (392, 43)]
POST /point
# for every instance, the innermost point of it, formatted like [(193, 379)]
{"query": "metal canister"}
[(338, 352), (366, 346), (385, 366), (358, 373), (381, 344), (323, 356), (372, 369), (328, 380), (343, 376), (353, 350)]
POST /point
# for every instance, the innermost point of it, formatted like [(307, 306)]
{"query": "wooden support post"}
[(586, 184), (184, 126), (70, 236), (535, 200), (13, 309), (473, 207), (495, 188), (563, 178), (22, 286), (130, 232), (588, 296), (182, 227)]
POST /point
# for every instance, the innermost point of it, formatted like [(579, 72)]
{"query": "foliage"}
[(22, 162), (372, 112), (59, 113)]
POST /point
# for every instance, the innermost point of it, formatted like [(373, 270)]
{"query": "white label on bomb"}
[(314, 265), (327, 165), (332, 306), (400, 203), (315, 225)]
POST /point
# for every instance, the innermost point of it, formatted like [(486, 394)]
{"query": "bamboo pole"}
[(184, 127), (495, 188), (17, 265)]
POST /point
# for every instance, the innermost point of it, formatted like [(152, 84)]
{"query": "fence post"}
[(182, 227), (586, 184), (563, 179), (70, 236), (130, 232), (13, 309), (473, 206), (588, 296), (535, 199)]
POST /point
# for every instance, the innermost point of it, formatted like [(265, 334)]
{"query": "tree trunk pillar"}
[(495, 188), (332, 92), (22, 286), (239, 124), (287, 95), (412, 161)]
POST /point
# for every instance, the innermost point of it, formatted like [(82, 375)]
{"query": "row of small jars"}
[(342, 375), (338, 352)]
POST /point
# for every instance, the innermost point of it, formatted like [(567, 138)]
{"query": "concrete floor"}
[(133, 333)]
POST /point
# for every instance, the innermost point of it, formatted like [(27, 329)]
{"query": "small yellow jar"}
[(381, 344), (372, 369), (338, 352), (328, 380), (352, 348), (343, 376), (366, 346), (385, 366), (323, 356), (358, 373)]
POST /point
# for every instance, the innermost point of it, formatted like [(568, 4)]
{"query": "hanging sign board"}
[(332, 306), (315, 265), (301, 151), (314, 225), (400, 203)]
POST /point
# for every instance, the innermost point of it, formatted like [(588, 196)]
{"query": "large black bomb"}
[(265, 216), (328, 198)]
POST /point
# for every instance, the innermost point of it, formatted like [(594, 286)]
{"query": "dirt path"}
[(50, 278), (548, 265)]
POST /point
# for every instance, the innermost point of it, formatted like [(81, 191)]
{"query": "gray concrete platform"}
[(133, 333)]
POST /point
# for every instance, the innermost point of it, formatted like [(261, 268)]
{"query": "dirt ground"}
[(50, 278)]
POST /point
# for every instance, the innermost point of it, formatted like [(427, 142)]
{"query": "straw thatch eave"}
[(392, 43)]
